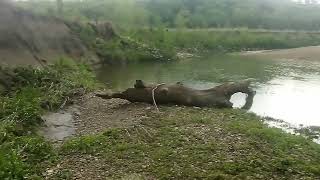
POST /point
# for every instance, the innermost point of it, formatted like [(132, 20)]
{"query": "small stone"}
[(50, 171), (76, 113)]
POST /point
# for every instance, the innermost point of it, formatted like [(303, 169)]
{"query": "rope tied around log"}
[(218, 96), (153, 98)]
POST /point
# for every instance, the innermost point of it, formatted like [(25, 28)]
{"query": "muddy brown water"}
[(287, 89), (59, 125)]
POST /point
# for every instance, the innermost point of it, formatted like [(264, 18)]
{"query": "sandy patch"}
[(303, 53)]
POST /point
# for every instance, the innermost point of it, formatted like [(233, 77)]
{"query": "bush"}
[(22, 108)]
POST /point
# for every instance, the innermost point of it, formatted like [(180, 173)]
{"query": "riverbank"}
[(93, 38), (26, 94), (118, 139), (220, 41), (164, 45), (101, 43), (133, 141), (303, 53)]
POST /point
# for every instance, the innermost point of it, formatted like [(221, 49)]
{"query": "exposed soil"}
[(28, 39), (96, 114), (92, 115), (303, 53)]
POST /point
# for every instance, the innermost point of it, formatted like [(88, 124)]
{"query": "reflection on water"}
[(295, 101), (286, 89)]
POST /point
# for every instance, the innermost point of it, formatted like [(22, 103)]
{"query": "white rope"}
[(153, 98)]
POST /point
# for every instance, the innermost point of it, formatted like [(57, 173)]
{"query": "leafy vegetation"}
[(23, 154), (116, 49), (128, 50), (158, 30), (224, 40), (187, 143), (163, 44), (266, 14), (181, 143)]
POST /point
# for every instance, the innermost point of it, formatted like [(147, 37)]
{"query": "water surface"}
[(286, 89)]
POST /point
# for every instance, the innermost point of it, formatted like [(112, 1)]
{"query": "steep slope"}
[(27, 39)]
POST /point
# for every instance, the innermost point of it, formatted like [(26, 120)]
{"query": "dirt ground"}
[(97, 114), (94, 115)]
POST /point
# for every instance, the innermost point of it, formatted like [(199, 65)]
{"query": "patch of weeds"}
[(23, 154), (22, 108), (284, 147), (91, 143), (25, 157)]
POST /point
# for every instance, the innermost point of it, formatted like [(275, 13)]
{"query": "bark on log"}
[(179, 94)]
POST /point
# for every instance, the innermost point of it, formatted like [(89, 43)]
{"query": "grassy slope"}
[(24, 154), (188, 143)]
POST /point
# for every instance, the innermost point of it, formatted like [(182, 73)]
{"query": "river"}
[(286, 89)]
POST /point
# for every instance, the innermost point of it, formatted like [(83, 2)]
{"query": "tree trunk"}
[(179, 94)]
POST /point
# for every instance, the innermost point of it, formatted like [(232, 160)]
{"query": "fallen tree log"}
[(179, 94)]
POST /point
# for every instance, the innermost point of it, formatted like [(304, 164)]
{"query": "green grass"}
[(23, 154), (125, 50), (187, 143), (156, 45), (179, 143), (226, 41), (121, 50)]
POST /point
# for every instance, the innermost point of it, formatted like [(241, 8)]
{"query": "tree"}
[(182, 18), (93, 14), (60, 6)]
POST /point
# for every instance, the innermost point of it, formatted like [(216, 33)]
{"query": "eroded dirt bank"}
[(28, 39)]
